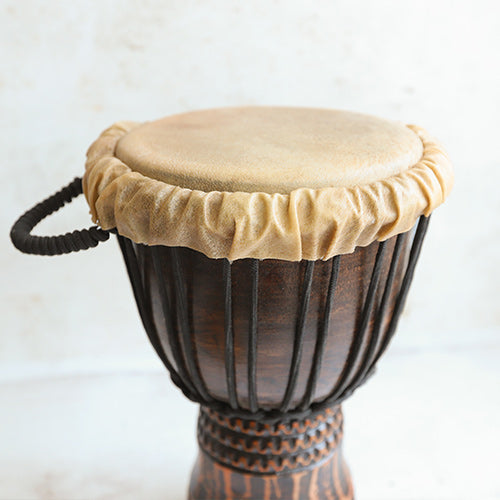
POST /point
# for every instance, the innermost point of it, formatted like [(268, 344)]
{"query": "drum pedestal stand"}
[(245, 459)]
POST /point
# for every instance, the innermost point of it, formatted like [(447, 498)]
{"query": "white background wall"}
[(70, 69)]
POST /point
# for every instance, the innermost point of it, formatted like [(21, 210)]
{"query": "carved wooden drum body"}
[(270, 252), (271, 343)]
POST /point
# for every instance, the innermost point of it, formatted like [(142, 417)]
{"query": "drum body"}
[(270, 342)]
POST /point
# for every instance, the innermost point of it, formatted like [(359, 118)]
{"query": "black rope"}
[(173, 338), (252, 337), (361, 331), (416, 247), (189, 348), (299, 337), (322, 335), (272, 416), (229, 336), (75, 241), (133, 271), (375, 336)]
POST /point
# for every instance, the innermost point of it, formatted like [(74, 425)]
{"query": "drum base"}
[(246, 459)]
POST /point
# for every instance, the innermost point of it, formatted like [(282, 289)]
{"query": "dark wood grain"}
[(244, 459)]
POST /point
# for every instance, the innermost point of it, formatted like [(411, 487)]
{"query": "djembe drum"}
[(270, 252)]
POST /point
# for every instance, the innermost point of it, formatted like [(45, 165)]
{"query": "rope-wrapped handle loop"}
[(84, 239)]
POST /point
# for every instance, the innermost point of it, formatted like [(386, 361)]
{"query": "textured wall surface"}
[(70, 69)]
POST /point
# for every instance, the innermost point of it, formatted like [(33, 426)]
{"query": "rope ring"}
[(75, 241)]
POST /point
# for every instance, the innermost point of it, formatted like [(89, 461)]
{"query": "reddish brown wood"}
[(279, 301), (288, 461)]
